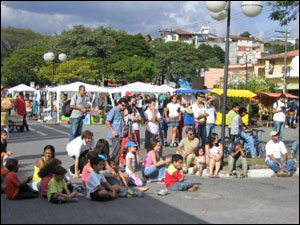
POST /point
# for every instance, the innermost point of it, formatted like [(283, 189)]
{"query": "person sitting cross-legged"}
[(277, 157)]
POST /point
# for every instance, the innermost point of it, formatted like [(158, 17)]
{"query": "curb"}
[(254, 173)]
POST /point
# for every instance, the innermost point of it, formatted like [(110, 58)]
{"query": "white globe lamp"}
[(252, 8), (62, 57), (216, 6)]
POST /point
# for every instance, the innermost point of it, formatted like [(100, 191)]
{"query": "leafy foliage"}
[(284, 11)]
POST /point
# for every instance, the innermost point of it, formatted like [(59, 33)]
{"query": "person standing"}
[(279, 110), (211, 119), (114, 122), (6, 105), (20, 107), (165, 126), (80, 106), (200, 116)]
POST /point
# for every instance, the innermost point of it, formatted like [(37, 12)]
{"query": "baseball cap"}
[(131, 143), (274, 133), (128, 94)]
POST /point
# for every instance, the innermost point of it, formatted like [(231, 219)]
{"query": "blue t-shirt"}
[(115, 117)]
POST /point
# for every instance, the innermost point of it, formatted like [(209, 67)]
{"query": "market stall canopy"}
[(235, 93), (274, 95), (21, 87), (74, 87), (190, 91), (142, 87)]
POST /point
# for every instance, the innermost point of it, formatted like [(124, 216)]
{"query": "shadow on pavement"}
[(121, 211)]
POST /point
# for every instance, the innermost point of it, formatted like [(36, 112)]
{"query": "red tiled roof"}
[(179, 31), (281, 55)]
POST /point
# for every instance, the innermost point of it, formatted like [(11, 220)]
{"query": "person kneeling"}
[(175, 178)]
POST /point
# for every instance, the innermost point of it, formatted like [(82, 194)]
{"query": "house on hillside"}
[(272, 67)]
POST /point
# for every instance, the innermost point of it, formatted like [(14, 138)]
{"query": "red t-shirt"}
[(20, 105), (44, 185), (12, 185), (172, 176)]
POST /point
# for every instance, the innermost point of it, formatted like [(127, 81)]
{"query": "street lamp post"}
[(244, 61), (219, 10), (50, 57)]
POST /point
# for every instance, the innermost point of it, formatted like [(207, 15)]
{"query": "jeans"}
[(274, 166), (210, 128), (295, 147), (181, 186), (250, 142), (110, 180), (75, 127), (201, 134), (155, 173), (279, 126)]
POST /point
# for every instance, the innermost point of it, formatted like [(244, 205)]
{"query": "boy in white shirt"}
[(277, 158)]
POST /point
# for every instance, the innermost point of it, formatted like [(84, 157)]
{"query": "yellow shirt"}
[(36, 172)]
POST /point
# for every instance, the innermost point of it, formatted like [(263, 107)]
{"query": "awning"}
[(274, 95), (190, 91), (235, 93)]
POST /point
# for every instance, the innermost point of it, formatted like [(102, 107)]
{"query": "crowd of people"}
[(110, 173)]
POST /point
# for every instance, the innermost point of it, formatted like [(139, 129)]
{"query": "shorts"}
[(95, 197), (174, 122), (54, 199), (165, 126)]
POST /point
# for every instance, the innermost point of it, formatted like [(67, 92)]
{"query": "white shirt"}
[(153, 128), (135, 125), (198, 111), (215, 151), (78, 146), (132, 157), (211, 110), (93, 182), (173, 109), (280, 116), (276, 149), (235, 125)]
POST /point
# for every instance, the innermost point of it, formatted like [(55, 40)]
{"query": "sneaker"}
[(166, 144), (74, 200), (163, 192), (129, 193)]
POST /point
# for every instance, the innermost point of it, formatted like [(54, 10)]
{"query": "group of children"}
[(100, 177)]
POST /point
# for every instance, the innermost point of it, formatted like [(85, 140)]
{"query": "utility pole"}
[(286, 32)]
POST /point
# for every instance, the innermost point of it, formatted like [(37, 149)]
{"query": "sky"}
[(49, 17)]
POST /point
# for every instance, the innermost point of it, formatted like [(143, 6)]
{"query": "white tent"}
[(143, 88), (74, 87), (21, 87)]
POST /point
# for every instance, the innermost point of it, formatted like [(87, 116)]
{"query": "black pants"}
[(26, 192), (82, 162), (25, 124)]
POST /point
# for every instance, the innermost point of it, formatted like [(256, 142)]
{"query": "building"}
[(272, 67)]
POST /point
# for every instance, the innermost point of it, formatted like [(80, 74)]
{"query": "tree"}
[(22, 66), (83, 41), (278, 48), (246, 34), (284, 11), (13, 39), (79, 69)]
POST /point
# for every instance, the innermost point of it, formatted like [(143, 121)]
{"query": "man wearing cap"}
[(277, 157), (279, 110)]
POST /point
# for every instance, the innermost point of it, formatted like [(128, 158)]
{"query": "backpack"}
[(66, 108)]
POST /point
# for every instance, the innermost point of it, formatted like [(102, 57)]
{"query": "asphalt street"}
[(272, 200)]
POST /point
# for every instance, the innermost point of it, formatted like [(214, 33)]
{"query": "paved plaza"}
[(271, 200)]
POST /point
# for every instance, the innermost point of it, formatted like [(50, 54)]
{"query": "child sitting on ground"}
[(87, 169), (97, 187), (175, 177), (58, 191), (134, 179), (200, 162), (46, 174), (14, 188)]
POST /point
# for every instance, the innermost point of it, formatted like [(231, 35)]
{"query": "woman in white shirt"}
[(175, 110), (78, 149), (214, 150)]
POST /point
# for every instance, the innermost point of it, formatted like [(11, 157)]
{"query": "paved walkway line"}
[(38, 132), (56, 130)]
